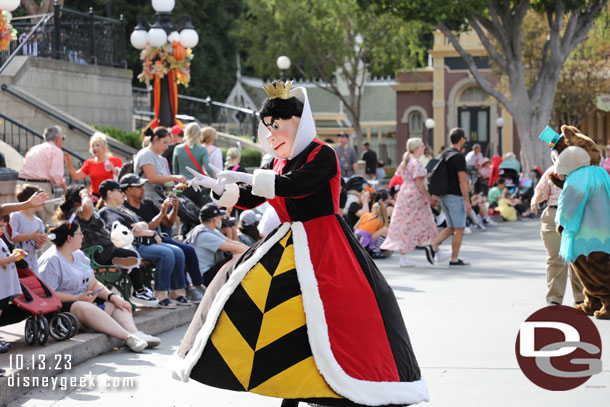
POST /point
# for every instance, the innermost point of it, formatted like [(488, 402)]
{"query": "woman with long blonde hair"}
[(101, 167), (412, 223), (192, 154), (371, 226)]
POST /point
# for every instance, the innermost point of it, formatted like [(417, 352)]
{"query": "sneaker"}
[(135, 344), (490, 221), (458, 262), (194, 294), (467, 230), (152, 341), (443, 255), (406, 262), (553, 303), (166, 303), (182, 300), (144, 298), (4, 347), (430, 253)]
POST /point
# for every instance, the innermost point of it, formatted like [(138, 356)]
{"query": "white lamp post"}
[(429, 123), (158, 35), (499, 124), (163, 6), (283, 63), (9, 5)]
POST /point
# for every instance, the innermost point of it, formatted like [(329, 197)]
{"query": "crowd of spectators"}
[(147, 202)]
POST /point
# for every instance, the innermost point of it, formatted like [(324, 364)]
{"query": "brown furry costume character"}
[(575, 153)]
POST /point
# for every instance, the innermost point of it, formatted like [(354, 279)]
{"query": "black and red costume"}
[(305, 314)]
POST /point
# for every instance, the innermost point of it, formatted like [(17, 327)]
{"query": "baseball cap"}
[(248, 218), (131, 180), (343, 135), (108, 185), (177, 130), (210, 211)]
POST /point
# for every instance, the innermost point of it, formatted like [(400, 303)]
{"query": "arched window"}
[(473, 94), (416, 124)]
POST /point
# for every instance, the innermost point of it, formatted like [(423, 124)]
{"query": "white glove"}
[(201, 180), (233, 177)]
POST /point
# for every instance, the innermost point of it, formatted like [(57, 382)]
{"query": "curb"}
[(41, 363)]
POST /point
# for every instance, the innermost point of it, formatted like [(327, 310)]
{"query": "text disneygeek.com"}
[(64, 382)]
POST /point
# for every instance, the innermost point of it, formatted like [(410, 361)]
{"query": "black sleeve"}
[(313, 175)]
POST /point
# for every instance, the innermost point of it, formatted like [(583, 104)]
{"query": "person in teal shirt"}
[(496, 192), (199, 161), (182, 158)]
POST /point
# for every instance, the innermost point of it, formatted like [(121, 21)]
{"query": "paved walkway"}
[(463, 324)]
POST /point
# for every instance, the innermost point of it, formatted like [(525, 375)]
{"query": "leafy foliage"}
[(330, 42), (131, 138)]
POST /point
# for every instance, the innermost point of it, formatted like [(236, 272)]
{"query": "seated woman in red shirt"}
[(101, 167)]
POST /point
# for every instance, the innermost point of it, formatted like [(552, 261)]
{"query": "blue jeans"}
[(190, 258), (454, 208), (169, 265)]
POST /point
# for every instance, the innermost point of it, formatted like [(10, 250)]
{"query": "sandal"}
[(166, 303), (182, 300)]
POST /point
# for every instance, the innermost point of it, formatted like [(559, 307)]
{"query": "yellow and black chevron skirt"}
[(260, 341)]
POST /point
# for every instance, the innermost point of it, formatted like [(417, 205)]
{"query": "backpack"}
[(438, 179)]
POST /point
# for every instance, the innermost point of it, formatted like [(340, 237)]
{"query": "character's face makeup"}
[(282, 133)]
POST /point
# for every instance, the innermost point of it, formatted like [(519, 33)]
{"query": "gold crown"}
[(279, 91)]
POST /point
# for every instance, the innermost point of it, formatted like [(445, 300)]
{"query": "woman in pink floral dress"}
[(412, 222)]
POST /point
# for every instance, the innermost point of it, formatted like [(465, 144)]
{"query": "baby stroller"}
[(39, 300)]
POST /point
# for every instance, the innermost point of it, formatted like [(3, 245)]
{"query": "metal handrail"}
[(71, 125), (209, 101), (25, 41), (38, 135)]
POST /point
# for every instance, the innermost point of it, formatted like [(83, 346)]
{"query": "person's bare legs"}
[(123, 317), (441, 238), (98, 320), (456, 243)]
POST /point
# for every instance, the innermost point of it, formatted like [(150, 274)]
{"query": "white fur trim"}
[(263, 183), (305, 133), (359, 391), (181, 368), (570, 159), (229, 197)]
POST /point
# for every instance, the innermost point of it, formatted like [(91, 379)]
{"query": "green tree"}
[(330, 42), (499, 26)]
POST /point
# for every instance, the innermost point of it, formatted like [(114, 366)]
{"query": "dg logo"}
[(559, 348)]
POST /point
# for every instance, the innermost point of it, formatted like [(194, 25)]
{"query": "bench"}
[(115, 277)]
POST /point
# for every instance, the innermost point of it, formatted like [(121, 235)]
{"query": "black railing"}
[(70, 35), (71, 125), (22, 138), (28, 35), (226, 118)]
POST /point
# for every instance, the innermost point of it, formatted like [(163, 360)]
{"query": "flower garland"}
[(7, 32), (158, 61)]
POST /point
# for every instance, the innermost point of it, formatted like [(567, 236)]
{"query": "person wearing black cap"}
[(133, 188), (210, 244), (168, 259)]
